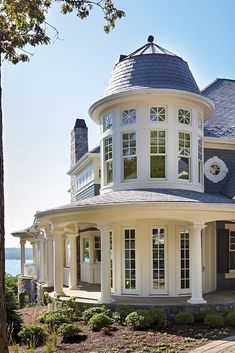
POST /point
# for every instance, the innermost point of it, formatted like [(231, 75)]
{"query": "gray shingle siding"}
[(228, 157), (92, 190), (152, 71)]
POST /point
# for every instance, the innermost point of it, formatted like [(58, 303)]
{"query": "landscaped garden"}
[(67, 326)]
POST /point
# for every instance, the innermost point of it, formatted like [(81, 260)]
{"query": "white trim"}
[(222, 173)]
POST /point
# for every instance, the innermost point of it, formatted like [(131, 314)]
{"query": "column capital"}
[(103, 227), (71, 235), (199, 226), (22, 241)]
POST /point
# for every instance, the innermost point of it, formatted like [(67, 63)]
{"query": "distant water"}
[(12, 267)]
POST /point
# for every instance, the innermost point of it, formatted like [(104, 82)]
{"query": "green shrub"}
[(230, 318), (214, 320), (88, 313), (199, 316), (54, 319), (157, 316), (14, 319), (138, 320), (120, 314), (33, 335), (69, 331), (98, 321), (184, 317)]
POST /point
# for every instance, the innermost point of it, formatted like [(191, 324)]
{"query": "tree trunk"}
[(3, 326)]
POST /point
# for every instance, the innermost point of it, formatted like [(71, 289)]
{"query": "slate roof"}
[(222, 122), (148, 196), (229, 187), (144, 69)]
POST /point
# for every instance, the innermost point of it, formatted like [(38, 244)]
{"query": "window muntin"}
[(108, 158), (129, 259), (157, 114), (184, 259), (200, 121), (200, 161), (129, 153), (157, 154), (159, 260), (232, 250), (184, 156), (128, 116), (85, 176), (97, 249), (184, 116), (107, 121), (85, 251)]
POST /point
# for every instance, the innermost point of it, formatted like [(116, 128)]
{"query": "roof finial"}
[(150, 39)]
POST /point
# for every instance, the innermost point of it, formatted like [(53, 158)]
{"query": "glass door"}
[(158, 266), (129, 261)]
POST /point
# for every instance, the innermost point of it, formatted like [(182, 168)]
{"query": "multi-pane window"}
[(97, 249), (184, 156), (200, 161), (158, 248), (184, 116), (157, 114), (157, 154), (130, 261), (107, 121), (128, 116), (108, 158), (232, 250), (200, 121), (85, 251), (111, 256), (85, 176), (184, 260), (129, 155)]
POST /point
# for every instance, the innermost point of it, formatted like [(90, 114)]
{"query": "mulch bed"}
[(174, 339)]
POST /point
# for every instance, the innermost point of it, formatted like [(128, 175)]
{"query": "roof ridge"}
[(216, 80)]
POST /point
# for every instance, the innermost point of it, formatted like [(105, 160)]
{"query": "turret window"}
[(128, 116), (200, 161), (184, 116), (157, 154), (108, 157), (184, 156), (107, 121), (129, 155), (200, 121), (157, 114)]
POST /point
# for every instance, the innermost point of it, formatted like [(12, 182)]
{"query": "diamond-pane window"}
[(128, 116), (184, 116), (107, 121), (157, 114)]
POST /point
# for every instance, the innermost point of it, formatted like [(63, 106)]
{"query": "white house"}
[(152, 209)]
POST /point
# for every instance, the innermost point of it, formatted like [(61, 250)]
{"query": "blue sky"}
[(42, 99)]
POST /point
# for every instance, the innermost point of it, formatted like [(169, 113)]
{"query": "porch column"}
[(105, 297), (50, 264), (22, 255), (196, 280), (42, 271), (73, 261), (58, 263)]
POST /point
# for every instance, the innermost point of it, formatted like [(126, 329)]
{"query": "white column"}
[(73, 261), (105, 297), (50, 262), (22, 255), (34, 252), (42, 271), (58, 263), (196, 275)]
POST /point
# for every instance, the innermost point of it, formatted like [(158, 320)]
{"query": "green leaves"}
[(23, 23)]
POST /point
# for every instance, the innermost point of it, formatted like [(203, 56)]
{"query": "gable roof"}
[(222, 122)]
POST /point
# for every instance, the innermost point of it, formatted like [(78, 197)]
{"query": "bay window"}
[(157, 154), (184, 156), (108, 158), (129, 154)]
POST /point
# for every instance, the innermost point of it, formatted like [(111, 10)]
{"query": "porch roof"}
[(148, 196)]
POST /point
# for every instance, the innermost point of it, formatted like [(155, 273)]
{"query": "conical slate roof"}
[(151, 66)]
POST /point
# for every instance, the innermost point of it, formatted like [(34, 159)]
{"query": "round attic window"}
[(215, 169)]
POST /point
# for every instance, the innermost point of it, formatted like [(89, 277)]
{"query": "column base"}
[(60, 294), (196, 301), (106, 300), (73, 288)]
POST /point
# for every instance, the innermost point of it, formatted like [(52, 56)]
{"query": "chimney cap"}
[(80, 123)]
